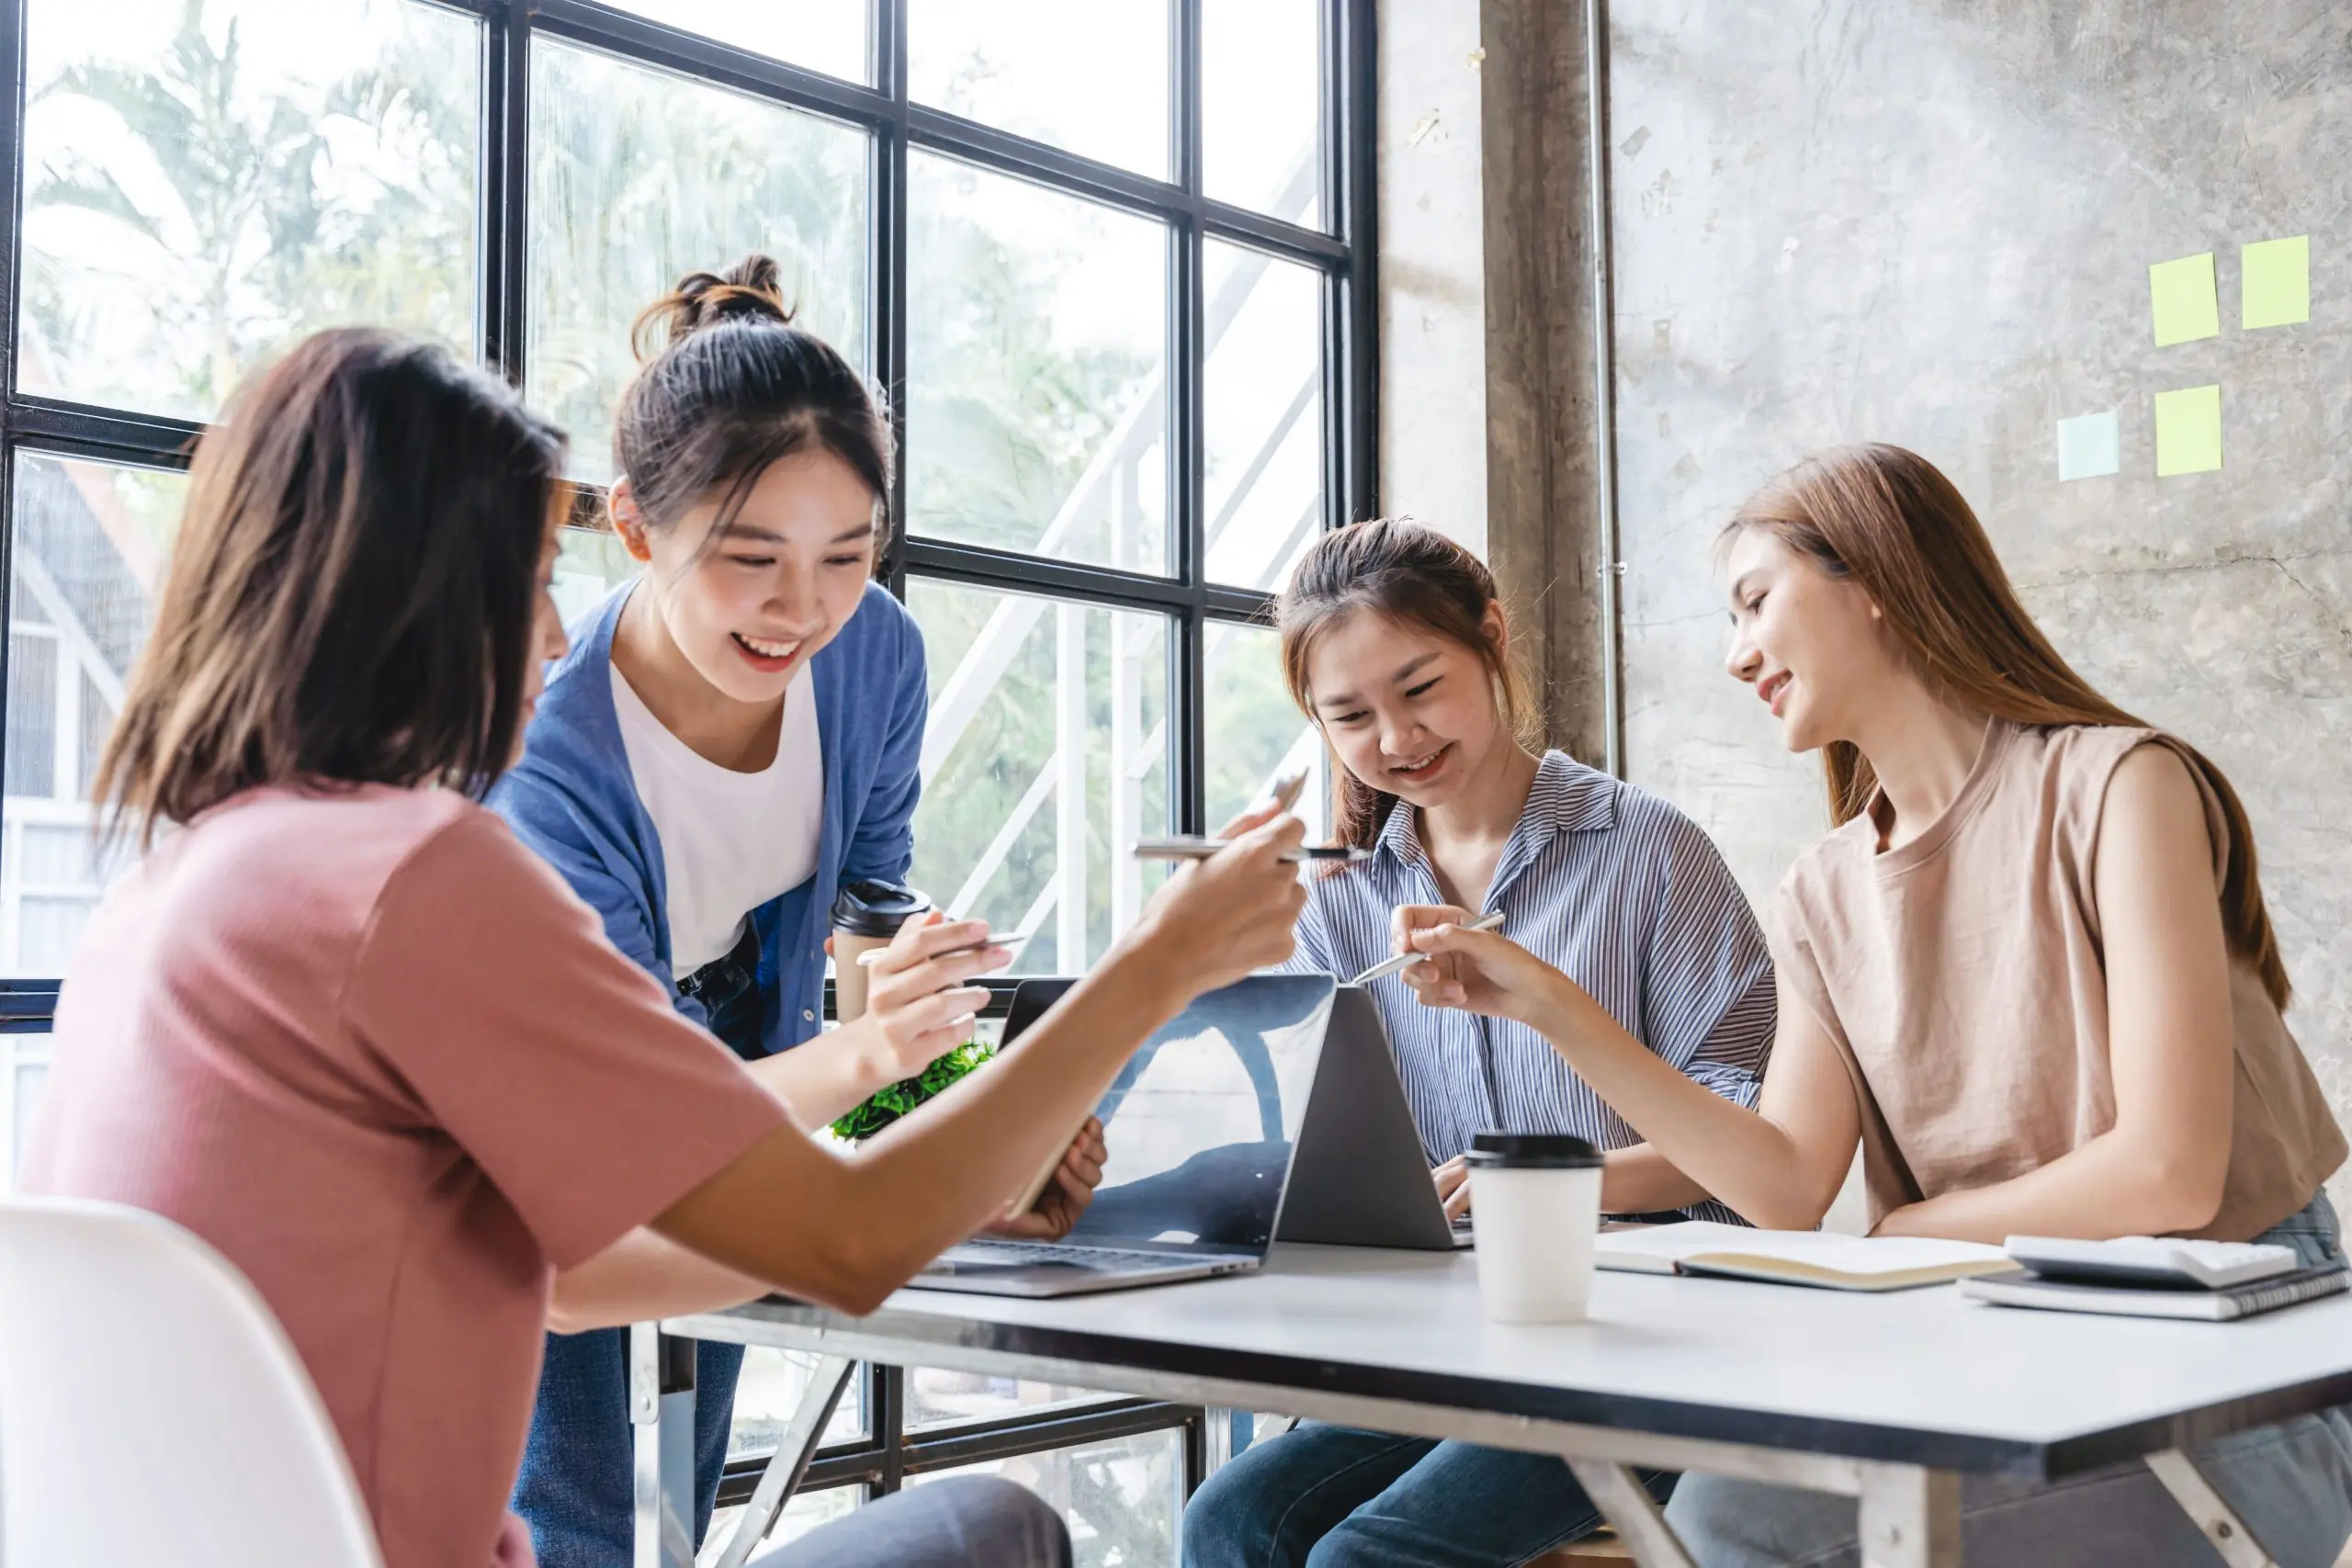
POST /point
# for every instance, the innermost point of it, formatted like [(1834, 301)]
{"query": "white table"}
[(1888, 1399)]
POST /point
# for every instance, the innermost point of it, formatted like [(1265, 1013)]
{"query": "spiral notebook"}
[(2023, 1288)]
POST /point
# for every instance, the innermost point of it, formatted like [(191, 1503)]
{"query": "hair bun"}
[(750, 290)]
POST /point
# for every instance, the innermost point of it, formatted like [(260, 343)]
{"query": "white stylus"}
[(1381, 971), (872, 956)]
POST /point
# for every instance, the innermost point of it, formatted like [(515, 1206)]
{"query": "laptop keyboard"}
[(1018, 1254)]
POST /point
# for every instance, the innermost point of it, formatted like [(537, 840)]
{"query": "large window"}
[(1110, 259)]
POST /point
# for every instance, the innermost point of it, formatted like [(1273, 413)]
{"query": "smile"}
[(763, 649), (1772, 689), (1414, 772)]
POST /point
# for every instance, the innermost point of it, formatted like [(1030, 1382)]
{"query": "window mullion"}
[(887, 265), (1355, 344), (12, 160), (505, 180), (1187, 438)]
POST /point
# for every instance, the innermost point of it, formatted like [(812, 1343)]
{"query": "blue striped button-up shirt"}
[(1608, 884)]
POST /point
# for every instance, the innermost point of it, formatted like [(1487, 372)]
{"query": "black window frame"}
[(1344, 254)]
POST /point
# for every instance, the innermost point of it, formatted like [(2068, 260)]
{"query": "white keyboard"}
[(2161, 1262)]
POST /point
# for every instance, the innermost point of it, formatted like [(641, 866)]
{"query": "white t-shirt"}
[(730, 842)]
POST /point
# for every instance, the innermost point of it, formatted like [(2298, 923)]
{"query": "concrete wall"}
[(1432, 284), (1929, 221)]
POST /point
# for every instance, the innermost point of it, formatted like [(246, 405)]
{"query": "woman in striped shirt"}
[(1396, 644)]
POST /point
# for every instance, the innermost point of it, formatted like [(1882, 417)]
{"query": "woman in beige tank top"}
[(2030, 974)]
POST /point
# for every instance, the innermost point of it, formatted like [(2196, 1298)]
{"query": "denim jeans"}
[(577, 1487), (2292, 1483), (963, 1521), (1338, 1497)]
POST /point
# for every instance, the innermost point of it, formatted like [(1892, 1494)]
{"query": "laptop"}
[(1360, 1178), (1199, 1127)]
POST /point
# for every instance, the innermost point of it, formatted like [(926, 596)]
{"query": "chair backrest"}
[(152, 1410)]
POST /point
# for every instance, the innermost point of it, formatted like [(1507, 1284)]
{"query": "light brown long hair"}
[(1409, 573), (1890, 520)]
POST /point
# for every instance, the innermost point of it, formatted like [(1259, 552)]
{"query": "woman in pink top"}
[(341, 1024), (2030, 974)]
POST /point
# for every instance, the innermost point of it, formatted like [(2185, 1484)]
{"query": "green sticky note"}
[(2275, 275), (2188, 431), (2186, 305)]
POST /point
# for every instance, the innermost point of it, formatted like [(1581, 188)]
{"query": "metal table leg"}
[(1631, 1512), (2239, 1547), (1910, 1516), (788, 1463), (661, 1413)]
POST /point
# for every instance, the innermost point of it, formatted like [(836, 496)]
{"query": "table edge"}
[(930, 1338)]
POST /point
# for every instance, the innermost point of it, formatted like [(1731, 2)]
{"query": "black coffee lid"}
[(871, 907), (1533, 1151)]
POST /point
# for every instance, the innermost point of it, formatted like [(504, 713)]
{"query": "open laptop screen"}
[(1199, 1123)]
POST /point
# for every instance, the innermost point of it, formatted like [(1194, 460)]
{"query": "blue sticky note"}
[(2090, 445)]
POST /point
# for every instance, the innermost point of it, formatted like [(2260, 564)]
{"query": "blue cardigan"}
[(573, 800)]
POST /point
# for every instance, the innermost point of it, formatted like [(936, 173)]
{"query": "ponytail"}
[(728, 388)]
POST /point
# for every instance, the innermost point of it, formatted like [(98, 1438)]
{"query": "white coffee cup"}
[(1537, 1198)]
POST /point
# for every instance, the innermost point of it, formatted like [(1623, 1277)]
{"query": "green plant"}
[(894, 1100)]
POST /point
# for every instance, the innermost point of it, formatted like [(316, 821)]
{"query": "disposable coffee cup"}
[(1537, 1197), (867, 913)]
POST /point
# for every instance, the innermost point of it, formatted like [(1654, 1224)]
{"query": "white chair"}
[(152, 1410)]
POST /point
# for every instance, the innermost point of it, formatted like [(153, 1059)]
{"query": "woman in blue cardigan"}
[(734, 735)]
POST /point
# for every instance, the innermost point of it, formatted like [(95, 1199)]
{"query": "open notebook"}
[(1796, 1257)]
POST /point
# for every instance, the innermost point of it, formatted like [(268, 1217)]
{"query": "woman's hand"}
[(1472, 971), (1065, 1199), (1452, 1180), (1411, 918), (918, 1007), (1223, 917)]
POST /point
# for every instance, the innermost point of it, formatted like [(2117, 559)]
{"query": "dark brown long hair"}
[(352, 596), (728, 388), (1890, 520), (1409, 573)]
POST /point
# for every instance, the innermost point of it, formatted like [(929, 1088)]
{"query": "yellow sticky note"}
[(2186, 305), (2188, 431), (2276, 278)]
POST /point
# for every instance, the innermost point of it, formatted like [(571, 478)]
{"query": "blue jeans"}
[(963, 1521), (577, 1490), (1338, 1497), (2292, 1483), (577, 1487)]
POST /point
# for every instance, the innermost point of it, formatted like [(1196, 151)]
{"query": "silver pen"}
[(1282, 797), (1203, 848), (1391, 966), (1287, 789)]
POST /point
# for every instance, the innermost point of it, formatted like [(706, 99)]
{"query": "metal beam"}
[(1633, 1513), (1909, 1517), (2215, 1519)]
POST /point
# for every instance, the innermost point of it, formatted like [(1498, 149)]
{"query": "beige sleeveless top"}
[(1962, 977)]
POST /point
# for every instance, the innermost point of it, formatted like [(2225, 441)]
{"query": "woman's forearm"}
[(640, 1278), (2114, 1185), (1717, 1149), (861, 1224), (827, 1074), (1638, 1180)]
